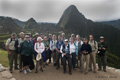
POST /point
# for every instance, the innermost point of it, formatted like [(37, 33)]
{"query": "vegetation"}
[(4, 58)]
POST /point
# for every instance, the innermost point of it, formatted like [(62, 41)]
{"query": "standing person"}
[(34, 41), (102, 47), (50, 52), (63, 36), (58, 46), (79, 44), (73, 36), (73, 52), (94, 46), (39, 48), (66, 55), (17, 46), (42, 35), (85, 50), (52, 48), (31, 40), (46, 44), (26, 50), (12, 55)]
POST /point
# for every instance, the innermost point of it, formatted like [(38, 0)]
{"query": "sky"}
[(52, 10)]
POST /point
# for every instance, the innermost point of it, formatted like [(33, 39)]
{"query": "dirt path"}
[(50, 73)]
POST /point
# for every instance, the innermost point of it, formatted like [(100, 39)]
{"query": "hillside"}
[(115, 23), (75, 22)]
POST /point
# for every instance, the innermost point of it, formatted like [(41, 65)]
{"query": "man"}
[(17, 46), (94, 46), (52, 48), (58, 46), (63, 36), (10, 47), (65, 50), (50, 52), (102, 47), (42, 35)]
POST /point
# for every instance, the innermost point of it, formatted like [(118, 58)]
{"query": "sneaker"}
[(25, 71), (28, 70)]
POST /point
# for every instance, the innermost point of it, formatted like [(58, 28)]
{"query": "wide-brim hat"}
[(38, 57)]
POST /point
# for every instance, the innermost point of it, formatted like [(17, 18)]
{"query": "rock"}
[(12, 79), (118, 70), (6, 74), (2, 68)]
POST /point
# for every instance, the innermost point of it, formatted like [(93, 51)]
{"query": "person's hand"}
[(100, 48), (104, 48), (64, 54), (58, 51), (18, 46), (71, 56), (9, 53)]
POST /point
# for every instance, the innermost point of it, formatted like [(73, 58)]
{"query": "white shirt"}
[(39, 47), (72, 48), (53, 44)]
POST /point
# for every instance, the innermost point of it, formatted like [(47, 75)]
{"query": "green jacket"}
[(26, 48)]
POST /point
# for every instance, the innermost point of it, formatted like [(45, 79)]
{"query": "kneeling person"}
[(65, 50)]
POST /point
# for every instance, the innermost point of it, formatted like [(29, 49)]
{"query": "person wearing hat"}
[(66, 55), (46, 51), (17, 46), (12, 55), (85, 50), (73, 52), (39, 48), (52, 48), (34, 41), (94, 46), (26, 50), (102, 47)]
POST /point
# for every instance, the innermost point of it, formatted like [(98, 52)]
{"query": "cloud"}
[(52, 10)]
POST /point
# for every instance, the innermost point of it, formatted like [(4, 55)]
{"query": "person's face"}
[(86, 41), (45, 39), (59, 38), (54, 37), (22, 36), (37, 36), (27, 39), (42, 35), (63, 35), (101, 40), (91, 38), (39, 40), (71, 41), (78, 38), (66, 42), (50, 36), (13, 37)]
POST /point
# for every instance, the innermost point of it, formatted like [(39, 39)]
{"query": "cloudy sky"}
[(52, 10)]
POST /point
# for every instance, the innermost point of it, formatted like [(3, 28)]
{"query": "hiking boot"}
[(90, 69), (41, 69), (104, 70), (25, 71), (64, 72), (99, 69), (74, 69), (11, 71), (20, 70), (70, 73), (36, 71), (28, 70), (55, 64), (86, 72), (16, 68), (58, 68)]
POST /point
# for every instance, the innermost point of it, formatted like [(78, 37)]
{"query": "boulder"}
[(6, 74)]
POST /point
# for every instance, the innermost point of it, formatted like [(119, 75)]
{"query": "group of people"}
[(73, 52)]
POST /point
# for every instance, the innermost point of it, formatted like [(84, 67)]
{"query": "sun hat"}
[(38, 57)]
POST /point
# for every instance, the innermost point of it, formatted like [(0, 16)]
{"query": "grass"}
[(3, 36), (4, 58)]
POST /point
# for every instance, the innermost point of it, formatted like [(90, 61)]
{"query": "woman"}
[(73, 52), (39, 48), (26, 51), (85, 50), (52, 48)]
